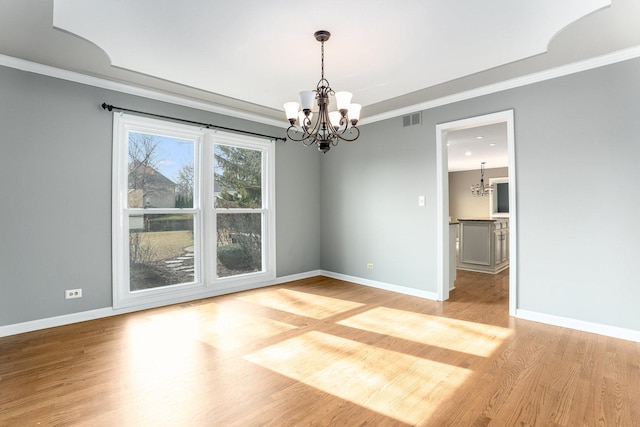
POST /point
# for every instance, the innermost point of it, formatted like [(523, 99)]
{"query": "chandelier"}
[(328, 128), (481, 189)]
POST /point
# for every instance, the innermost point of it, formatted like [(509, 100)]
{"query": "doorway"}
[(443, 241)]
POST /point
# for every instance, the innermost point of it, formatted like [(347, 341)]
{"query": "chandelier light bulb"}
[(306, 99), (291, 110), (354, 113), (343, 99)]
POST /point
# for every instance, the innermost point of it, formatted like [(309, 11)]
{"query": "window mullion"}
[(153, 211)]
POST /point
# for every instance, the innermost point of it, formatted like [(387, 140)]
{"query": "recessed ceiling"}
[(468, 148), (246, 58), (264, 52)]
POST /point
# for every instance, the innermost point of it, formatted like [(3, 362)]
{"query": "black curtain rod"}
[(109, 107)]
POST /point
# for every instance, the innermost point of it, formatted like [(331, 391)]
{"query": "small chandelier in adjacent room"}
[(481, 189), (328, 128)]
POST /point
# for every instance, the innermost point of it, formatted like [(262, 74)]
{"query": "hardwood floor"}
[(321, 352)]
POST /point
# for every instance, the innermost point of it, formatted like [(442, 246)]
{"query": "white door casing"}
[(442, 182)]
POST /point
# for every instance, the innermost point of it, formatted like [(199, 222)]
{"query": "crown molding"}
[(552, 73), (72, 76)]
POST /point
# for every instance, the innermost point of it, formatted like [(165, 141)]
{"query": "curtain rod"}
[(109, 107)]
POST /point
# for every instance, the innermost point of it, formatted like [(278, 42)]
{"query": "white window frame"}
[(493, 198), (206, 283), (267, 210)]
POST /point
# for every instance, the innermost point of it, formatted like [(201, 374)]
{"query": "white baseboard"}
[(51, 322), (381, 285), (67, 319), (596, 328), (294, 277), (580, 325)]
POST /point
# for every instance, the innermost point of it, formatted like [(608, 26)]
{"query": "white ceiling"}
[(468, 148), (247, 57), (264, 52), (251, 56)]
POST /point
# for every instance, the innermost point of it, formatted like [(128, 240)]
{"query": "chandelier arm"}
[(308, 130), (314, 131), (306, 140), (340, 135), (292, 131), (343, 122)]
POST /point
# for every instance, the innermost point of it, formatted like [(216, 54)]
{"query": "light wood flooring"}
[(319, 352)]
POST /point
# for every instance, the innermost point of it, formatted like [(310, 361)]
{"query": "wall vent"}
[(411, 119)]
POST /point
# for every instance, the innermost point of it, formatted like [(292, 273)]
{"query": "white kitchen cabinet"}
[(484, 244)]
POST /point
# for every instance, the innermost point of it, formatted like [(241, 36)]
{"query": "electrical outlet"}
[(370, 266), (72, 293)]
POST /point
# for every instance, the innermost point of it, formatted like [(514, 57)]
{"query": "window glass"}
[(238, 177), (160, 172), (161, 250), (239, 243)]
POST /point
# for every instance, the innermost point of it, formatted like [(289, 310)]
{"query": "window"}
[(499, 200), (193, 211)]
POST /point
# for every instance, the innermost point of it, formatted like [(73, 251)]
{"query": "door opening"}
[(444, 243)]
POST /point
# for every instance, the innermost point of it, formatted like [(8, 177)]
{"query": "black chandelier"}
[(329, 127), (481, 189)]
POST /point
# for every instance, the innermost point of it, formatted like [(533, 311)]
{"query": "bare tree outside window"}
[(184, 192), (160, 176)]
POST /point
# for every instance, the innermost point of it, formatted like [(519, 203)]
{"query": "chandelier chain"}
[(322, 61)]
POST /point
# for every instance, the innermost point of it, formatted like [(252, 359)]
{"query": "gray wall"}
[(576, 152), (370, 210), (577, 156), (462, 204), (55, 185)]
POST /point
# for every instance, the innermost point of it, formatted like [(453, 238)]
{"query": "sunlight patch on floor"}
[(162, 351), (163, 359), (161, 365), (301, 303), (222, 327), (395, 384), (474, 338)]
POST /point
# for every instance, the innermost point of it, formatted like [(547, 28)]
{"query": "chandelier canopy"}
[(481, 189), (328, 128)]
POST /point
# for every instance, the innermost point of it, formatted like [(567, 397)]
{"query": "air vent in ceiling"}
[(411, 119)]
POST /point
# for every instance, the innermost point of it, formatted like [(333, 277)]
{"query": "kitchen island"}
[(484, 244)]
